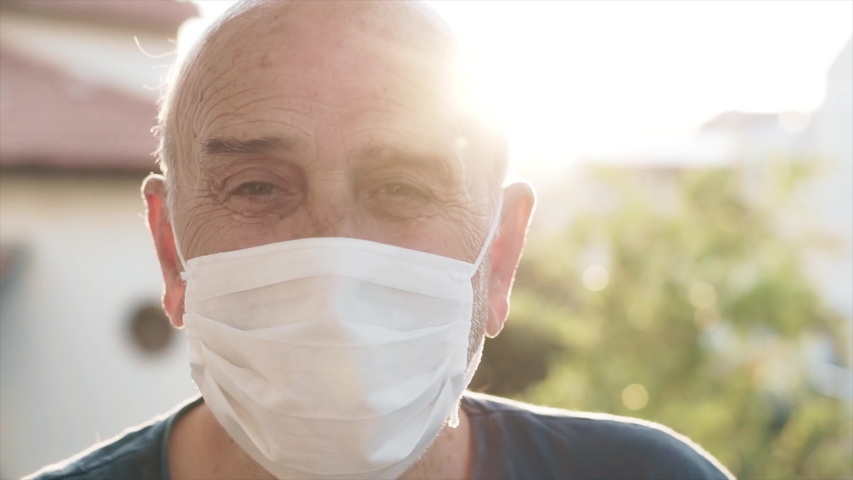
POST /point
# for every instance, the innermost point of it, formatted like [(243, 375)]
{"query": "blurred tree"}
[(683, 304)]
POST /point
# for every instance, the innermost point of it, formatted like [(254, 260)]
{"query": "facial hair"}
[(429, 465)]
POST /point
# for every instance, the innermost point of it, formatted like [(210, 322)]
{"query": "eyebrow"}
[(230, 146), (444, 166), (440, 165)]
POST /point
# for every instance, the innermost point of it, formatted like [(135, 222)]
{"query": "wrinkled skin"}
[(328, 119)]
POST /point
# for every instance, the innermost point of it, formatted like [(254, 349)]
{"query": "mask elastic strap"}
[(453, 422), (186, 273), (492, 230)]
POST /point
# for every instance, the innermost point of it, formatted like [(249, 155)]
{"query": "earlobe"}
[(519, 201), (157, 215)]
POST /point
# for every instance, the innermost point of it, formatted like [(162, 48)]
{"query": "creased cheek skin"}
[(197, 240), (473, 220)]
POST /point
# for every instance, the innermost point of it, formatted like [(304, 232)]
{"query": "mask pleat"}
[(321, 434)]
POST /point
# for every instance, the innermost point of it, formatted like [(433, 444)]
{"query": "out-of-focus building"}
[(829, 137), (824, 140), (85, 350)]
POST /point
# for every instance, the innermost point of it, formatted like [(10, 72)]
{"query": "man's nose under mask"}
[(332, 357)]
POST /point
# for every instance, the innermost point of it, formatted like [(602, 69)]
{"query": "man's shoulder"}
[(570, 444), (134, 453)]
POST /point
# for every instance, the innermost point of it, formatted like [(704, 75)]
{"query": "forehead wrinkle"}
[(269, 101), (297, 51), (394, 42), (215, 122), (211, 107)]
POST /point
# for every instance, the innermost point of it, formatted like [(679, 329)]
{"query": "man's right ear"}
[(157, 214)]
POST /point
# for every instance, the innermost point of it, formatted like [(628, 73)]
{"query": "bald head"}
[(346, 55)]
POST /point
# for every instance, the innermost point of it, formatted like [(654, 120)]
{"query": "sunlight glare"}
[(585, 78)]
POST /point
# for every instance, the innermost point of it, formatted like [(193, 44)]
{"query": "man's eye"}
[(255, 188), (401, 190), (261, 198), (400, 200)]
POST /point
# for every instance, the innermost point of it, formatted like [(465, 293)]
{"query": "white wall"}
[(69, 371)]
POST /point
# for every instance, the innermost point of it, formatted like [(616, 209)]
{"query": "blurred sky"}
[(586, 78)]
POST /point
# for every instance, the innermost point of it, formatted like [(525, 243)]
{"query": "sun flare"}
[(588, 78)]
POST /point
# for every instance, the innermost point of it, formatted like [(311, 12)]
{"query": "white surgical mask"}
[(331, 357)]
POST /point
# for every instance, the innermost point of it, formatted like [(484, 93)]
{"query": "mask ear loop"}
[(492, 231), (453, 421), (187, 273)]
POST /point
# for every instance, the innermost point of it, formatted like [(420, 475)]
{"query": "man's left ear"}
[(519, 200)]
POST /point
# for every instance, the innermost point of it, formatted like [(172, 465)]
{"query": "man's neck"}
[(200, 448), (448, 457)]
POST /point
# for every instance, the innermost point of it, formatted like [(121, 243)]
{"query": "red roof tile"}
[(50, 119)]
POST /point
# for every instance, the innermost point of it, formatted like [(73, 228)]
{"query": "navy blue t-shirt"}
[(511, 440)]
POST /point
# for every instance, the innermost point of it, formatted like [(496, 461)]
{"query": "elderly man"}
[(335, 236)]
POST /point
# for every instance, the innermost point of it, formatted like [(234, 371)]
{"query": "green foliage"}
[(700, 326)]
